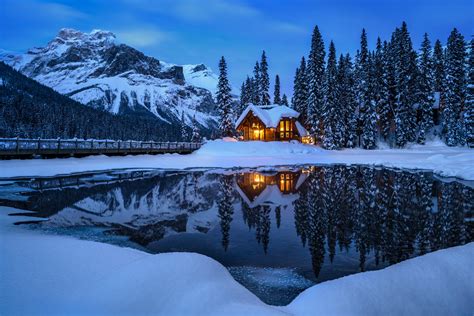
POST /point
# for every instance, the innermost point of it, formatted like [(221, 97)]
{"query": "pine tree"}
[(469, 103), (369, 123), (184, 129), (426, 89), (330, 111), (315, 79), (300, 92), (224, 101), (196, 137), (365, 95), (284, 100), (256, 85), (438, 67), (243, 98), (225, 209), (264, 81), (276, 94), (387, 87), (404, 58), (454, 89)]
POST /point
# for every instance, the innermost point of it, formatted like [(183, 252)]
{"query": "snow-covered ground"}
[(57, 275), (445, 161)]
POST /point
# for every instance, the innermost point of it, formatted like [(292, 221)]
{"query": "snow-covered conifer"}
[(469, 103), (455, 86), (315, 79), (276, 94), (264, 81), (224, 101), (425, 89)]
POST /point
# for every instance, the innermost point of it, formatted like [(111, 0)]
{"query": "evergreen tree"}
[(276, 94), (196, 137), (349, 103), (469, 103), (387, 90), (300, 92), (315, 79), (256, 85), (224, 101), (454, 89), (330, 111), (264, 81), (284, 100), (381, 89), (243, 98), (438, 67), (426, 89), (365, 95), (184, 129), (405, 80)]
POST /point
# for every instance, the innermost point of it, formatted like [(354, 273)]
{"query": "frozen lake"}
[(277, 230)]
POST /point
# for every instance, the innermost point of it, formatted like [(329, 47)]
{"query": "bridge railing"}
[(84, 146)]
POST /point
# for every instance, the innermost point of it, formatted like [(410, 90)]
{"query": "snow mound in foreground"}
[(54, 275)]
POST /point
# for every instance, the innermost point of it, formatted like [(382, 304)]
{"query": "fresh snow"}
[(57, 275), (441, 159), (270, 115)]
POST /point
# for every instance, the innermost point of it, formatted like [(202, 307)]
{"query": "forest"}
[(394, 93)]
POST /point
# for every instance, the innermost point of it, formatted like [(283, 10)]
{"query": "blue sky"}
[(200, 31)]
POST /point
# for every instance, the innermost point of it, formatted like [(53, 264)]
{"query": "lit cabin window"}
[(286, 129)]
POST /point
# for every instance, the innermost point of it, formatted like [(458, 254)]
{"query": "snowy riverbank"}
[(435, 156), (57, 275)]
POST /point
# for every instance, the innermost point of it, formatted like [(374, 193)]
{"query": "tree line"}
[(393, 93)]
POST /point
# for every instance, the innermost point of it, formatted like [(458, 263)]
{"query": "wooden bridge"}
[(24, 148)]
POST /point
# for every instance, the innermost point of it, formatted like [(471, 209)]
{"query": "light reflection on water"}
[(279, 230)]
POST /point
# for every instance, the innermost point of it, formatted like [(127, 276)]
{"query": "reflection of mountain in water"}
[(375, 216)]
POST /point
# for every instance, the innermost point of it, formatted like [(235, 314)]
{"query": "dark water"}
[(278, 231)]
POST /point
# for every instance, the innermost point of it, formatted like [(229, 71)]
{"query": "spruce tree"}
[(264, 81), (243, 98), (469, 103), (284, 100), (256, 85), (387, 89), (369, 133), (438, 67), (426, 89), (224, 101), (454, 89), (196, 136), (330, 111), (184, 129), (350, 104), (276, 94), (315, 79), (300, 92)]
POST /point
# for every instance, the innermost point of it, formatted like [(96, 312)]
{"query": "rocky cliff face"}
[(94, 69)]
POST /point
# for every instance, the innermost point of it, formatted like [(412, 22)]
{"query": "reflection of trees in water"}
[(225, 209), (389, 214)]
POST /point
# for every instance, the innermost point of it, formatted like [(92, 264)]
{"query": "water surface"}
[(277, 230)]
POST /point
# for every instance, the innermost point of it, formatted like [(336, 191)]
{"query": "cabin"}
[(271, 123)]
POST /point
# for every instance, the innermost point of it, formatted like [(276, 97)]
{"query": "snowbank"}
[(443, 160), (53, 275)]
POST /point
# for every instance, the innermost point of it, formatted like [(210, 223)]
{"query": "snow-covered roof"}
[(270, 115), (301, 130)]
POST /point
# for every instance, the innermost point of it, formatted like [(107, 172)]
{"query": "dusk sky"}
[(200, 31)]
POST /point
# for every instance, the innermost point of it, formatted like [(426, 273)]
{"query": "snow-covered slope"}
[(95, 70)]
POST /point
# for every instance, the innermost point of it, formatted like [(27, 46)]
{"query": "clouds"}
[(141, 37)]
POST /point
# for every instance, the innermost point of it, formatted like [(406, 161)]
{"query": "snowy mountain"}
[(95, 70)]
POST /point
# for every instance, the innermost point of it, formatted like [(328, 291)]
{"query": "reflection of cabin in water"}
[(280, 187), (271, 123)]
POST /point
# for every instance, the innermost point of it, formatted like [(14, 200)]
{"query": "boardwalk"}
[(24, 148)]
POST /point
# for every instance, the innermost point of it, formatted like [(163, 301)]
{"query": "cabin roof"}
[(270, 115)]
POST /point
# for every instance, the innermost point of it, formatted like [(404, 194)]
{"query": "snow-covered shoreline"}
[(56, 275), (442, 160)]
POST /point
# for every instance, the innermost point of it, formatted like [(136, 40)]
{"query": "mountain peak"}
[(69, 34)]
